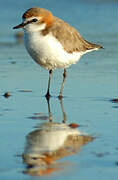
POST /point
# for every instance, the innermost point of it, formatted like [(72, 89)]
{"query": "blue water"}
[(90, 87)]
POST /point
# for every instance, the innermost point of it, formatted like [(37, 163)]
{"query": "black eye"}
[(34, 20)]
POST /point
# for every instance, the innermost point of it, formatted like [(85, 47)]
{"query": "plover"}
[(52, 43), (48, 144)]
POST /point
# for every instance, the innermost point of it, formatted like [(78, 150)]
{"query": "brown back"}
[(69, 37)]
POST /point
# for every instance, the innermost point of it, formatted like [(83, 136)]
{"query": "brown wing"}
[(69, 37)]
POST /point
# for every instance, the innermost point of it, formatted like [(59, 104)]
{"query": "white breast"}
[(48, 51), (51, 138)]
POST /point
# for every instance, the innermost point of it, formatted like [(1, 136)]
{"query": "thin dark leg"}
[(48, 90), (62, 108), (49, 111), (62, 85)]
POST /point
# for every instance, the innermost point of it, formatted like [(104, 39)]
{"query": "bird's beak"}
[(19, 26)]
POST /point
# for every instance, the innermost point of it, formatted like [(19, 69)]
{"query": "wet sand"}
[(88, 115)]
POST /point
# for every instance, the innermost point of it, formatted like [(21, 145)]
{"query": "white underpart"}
[(50, 138), (47, 50)]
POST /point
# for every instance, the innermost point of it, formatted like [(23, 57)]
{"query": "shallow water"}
[(90, 98)]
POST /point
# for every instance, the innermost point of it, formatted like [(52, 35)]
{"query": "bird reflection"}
[(62, 109), (50, 142)]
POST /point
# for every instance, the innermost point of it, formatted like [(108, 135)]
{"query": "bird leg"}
[(62, 108), (48, 90), (62, 85), (49, 111)]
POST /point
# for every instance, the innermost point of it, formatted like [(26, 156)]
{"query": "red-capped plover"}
[(52, 43)]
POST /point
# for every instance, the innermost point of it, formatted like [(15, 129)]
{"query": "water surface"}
[(89, 90)]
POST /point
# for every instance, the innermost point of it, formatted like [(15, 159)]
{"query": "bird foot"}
[(60, 97), (47, 96)]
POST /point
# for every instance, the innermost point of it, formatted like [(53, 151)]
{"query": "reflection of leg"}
[(62, 86), (49, 111), (62, 108), (48, 90)]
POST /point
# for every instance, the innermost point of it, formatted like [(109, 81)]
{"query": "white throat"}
[(29, 28)]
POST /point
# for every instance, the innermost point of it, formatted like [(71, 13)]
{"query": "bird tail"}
[(91, 46)]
